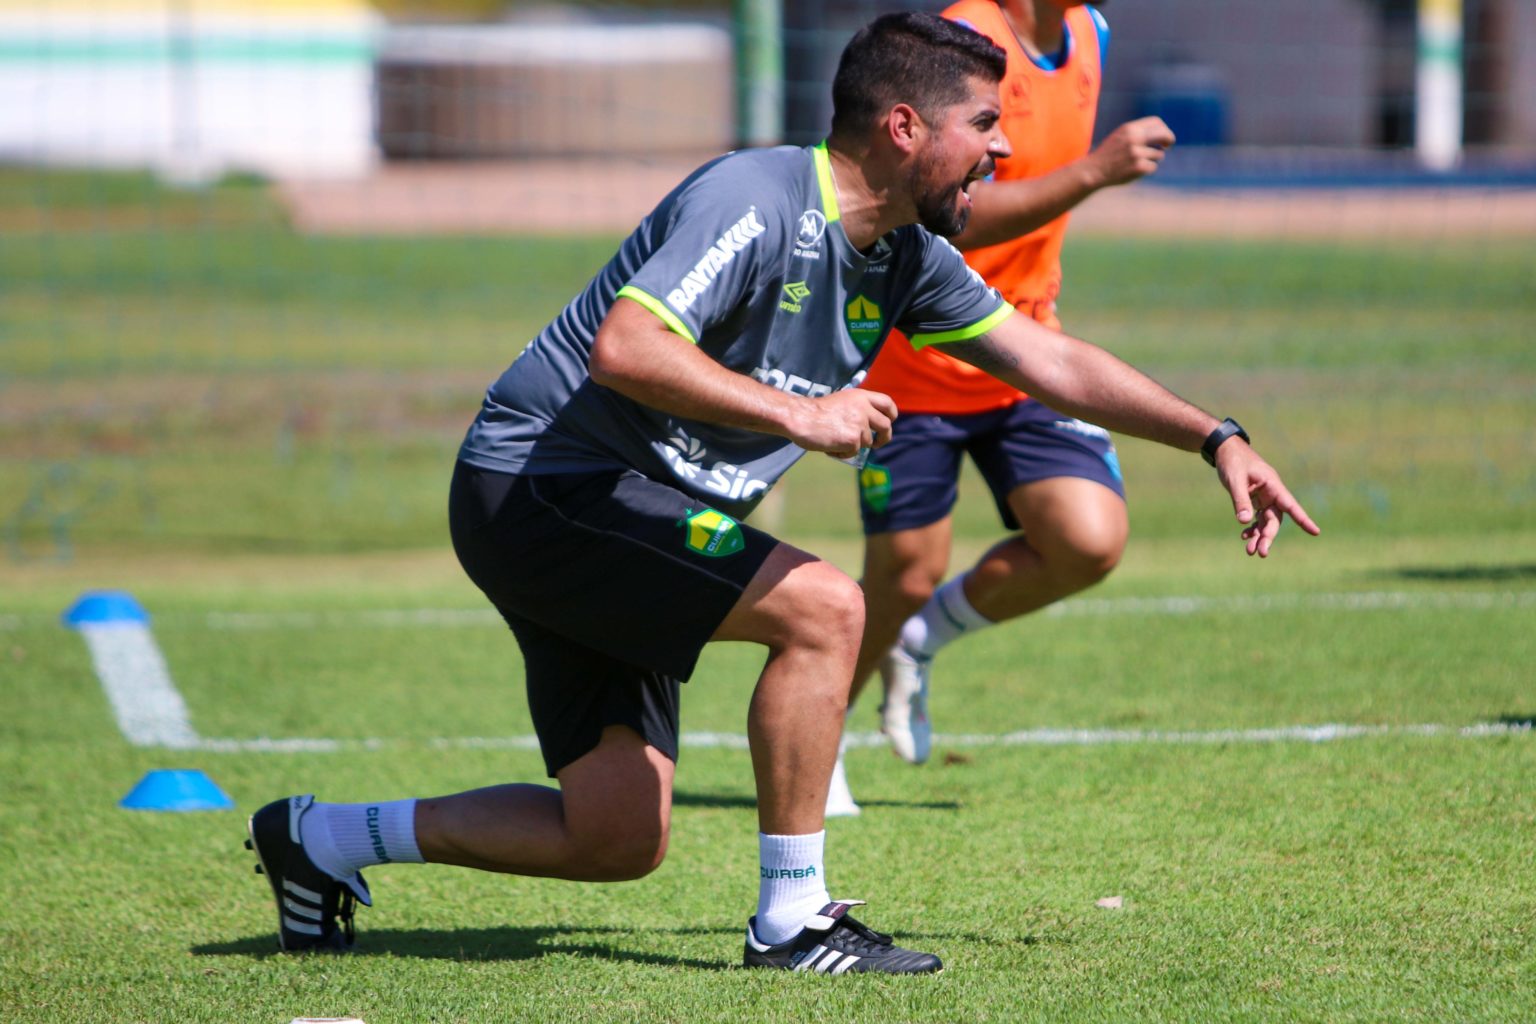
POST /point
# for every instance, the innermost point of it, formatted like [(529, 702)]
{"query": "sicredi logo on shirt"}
[(703, 274)]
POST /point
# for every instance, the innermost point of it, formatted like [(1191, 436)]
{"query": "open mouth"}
[(979, 174)]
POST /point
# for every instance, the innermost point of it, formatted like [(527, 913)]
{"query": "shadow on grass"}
[(1460, 573), (750, 803), (1517, 721), (913, 805), (488, 944), (480, 944)]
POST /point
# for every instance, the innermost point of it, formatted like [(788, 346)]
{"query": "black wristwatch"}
[(1228, 427)]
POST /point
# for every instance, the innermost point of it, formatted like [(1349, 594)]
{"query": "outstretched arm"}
[(1088, 382), (1002, 210)]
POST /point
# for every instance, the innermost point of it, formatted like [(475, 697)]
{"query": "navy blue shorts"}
[(612, 584), (914, 480)]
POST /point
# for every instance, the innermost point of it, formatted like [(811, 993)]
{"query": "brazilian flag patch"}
[(875, 486), (712, 534)]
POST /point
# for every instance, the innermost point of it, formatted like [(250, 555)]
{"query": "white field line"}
[(151, 713), (452, 618), (1023, 738), (1364, 601), (149, 708)]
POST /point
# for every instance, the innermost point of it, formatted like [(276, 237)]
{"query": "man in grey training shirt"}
[(599, 495)]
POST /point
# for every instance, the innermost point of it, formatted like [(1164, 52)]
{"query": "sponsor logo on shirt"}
[(792, 383), (880, 257), (685, 456), (795, 384), (813, 225), (718, 256), (795, 293), (863, 319)]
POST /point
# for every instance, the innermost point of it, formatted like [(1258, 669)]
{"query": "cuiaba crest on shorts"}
[(711, 534), (875, 486)]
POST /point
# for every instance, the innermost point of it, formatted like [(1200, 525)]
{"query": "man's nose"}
[(998, 145)]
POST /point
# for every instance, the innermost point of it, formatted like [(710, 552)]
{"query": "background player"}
[(1054, 478)]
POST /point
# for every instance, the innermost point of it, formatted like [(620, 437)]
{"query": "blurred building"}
[(1330, 73), (554, 87), (327, 88)]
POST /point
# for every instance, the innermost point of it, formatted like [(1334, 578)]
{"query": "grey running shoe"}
[(904, 715), (314, 910), (834, 943)]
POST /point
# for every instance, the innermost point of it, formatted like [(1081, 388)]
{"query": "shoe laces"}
[(864, 940)]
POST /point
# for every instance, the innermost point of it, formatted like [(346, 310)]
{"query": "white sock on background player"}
[(840, 802), (946, 617), (343, 838), (792, 885)]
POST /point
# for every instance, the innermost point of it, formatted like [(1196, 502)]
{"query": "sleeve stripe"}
[(977, 329), (658, 307)]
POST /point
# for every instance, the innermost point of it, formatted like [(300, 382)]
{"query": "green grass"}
[(152, 340), (224, 417), (1384, 877)]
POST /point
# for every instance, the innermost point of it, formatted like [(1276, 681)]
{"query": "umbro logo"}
[(795, 292)]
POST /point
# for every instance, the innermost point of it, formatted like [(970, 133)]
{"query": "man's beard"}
[(937, 209)]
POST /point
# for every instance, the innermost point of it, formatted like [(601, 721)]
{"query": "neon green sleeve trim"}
[(824, 182), (658, 307), (977, 329)]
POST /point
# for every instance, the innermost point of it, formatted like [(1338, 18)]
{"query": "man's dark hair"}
[(919, 59)]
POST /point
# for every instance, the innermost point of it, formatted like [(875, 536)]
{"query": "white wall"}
[(286, 92)]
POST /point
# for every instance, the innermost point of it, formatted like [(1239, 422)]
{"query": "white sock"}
[(947, 616), (341, 838), (840, 802), (792, 885)]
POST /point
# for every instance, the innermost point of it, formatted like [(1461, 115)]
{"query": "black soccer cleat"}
[(314, 910), (834, 943)]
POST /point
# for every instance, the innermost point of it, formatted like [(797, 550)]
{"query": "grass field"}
[(252, 431)]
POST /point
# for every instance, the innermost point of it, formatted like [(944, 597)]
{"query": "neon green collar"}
[(824, 180)]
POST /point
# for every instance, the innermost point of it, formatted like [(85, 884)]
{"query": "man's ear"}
[(905, 127)]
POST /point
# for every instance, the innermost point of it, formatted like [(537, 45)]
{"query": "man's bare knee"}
[(914, 587), (831, 610), (617, 802), (620, 859), (1085, 561)]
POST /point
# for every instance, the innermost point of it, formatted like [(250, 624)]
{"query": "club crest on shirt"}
[(862, 317)]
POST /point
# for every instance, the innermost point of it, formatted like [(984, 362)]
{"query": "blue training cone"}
[(105, 607), (176, 790)]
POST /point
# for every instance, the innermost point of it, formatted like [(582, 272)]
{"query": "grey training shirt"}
[(747, 258)]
